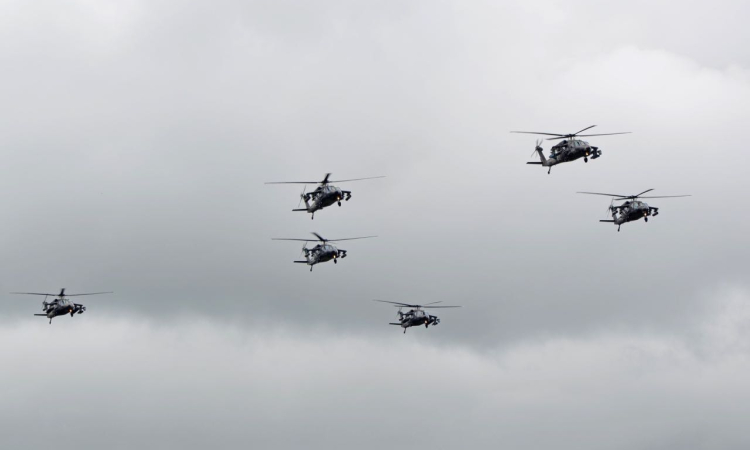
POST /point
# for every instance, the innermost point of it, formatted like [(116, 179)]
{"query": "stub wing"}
[(392, 323)]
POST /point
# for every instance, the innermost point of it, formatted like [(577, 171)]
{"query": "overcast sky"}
[(136, 138)]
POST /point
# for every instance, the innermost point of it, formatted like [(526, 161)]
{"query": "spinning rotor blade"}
[(603, 134), (292, 182), (34, 293), (544, 134), (356, 179), (90, 293), (647, 190), (299, 240), (349, 239), (587, 128), (431, 307), (325, 180), (397, 303), (600, 193), (669, 196), (320, 238)]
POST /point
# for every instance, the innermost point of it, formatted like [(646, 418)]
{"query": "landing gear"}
[(618, 228), (550, 170), (339, 202), (645, 219), (585, 159), (311, 268), (335, 261)]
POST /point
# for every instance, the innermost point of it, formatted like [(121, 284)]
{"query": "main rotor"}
[(427, 305), (61, 294), (617, 197), (319, 238), (324, 182), (571, 135)]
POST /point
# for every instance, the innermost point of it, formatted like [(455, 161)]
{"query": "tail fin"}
[(540, 151)]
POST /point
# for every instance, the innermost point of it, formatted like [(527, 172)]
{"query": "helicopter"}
[(61, 305), (324, 195), (569, 149), (632, 209), (415, 316), (322, 252)]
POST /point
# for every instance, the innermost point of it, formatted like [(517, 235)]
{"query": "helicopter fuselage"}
[(325, 196), (416, 318), (322, 253), (61, 307), (631, 211), (567, 151)]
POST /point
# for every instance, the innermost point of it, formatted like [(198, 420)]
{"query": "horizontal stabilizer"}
[(301, 262), (302, 209), (610, 221), (534, 162), (44, 315), (392, 323)]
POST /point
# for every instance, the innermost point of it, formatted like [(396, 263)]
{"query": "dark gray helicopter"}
[(632, 209), (416, 316), (60, 305), (568, 150), (322, 252), (324, 195)]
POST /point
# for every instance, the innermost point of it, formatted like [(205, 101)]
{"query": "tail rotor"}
[(301, 196), (537, 148)]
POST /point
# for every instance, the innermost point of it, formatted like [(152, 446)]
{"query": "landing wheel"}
[(645, 219), (335, 261), (339, 203), (310, 268), (585, 159)]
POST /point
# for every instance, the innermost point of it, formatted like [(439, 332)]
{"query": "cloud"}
[(198, 382)]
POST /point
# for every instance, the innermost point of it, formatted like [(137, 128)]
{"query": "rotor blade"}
[(649, 190), (320, 238), (397, 303), (432, 303), (300, 240), (600, 193), (349, 239), (34, 293), (556, 138), (603, 134), (292, 182), (431, 307), (356, 179), (325, 180), (669, 196), (587, 128), (534, 132), (90, 293)]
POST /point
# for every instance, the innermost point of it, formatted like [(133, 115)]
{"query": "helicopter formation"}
[(326, 194)]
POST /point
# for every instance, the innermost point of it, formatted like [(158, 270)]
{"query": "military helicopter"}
[(322, 252), (60, 305), (568, 150), (415, 316), (632, 209), (324, 195)]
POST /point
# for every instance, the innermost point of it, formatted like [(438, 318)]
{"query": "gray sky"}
[(136, 139)]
